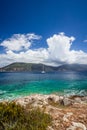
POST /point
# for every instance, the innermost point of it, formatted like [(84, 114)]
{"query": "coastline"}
[(68, 113)]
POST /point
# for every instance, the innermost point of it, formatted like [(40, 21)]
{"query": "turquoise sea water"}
[(13, 85)]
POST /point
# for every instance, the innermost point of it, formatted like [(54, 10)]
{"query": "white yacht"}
[(43, 71)]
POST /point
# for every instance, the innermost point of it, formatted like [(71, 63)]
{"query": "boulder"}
[(66, 101), (53, 98), (77, 100), (84, 99)]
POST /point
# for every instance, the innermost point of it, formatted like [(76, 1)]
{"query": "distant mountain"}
[(31, 67), (73, 67)]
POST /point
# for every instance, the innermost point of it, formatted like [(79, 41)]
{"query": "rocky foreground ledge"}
[(68, 113)]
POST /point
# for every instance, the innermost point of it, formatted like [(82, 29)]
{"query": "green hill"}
[(31, 67)]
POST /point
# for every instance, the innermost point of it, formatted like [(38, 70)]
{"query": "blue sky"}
[(44, 18)]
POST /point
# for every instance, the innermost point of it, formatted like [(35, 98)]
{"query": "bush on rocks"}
[(15, 117)]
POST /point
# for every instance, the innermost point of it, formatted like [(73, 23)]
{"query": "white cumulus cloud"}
[(59, 47), (57, 53), (19, 42)]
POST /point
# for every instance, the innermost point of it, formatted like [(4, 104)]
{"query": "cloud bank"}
[(17, 49)]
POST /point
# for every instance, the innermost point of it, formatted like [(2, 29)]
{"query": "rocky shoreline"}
[(68, 113)]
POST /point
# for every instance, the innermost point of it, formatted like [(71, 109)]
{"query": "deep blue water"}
[(13, 85)]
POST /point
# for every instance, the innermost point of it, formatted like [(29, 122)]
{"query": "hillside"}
[(73, 67), (31, 67)]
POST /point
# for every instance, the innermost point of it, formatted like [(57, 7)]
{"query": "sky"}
[(52, 32)]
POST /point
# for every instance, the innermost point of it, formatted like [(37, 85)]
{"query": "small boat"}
[(43, 71)]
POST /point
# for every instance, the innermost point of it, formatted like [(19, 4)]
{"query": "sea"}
[(19, 84)]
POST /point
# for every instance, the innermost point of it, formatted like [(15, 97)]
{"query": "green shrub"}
[(15, 117)]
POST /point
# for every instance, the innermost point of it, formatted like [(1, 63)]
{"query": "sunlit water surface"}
[(13, 85)]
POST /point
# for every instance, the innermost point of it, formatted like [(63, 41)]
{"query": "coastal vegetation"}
[(16, 117), (44, 112)]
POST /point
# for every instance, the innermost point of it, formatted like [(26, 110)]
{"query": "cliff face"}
[(31, 67)]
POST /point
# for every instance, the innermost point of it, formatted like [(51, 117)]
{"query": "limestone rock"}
[(76, 126), (50, 128), (77, 100), (67, 101), (84, 99), (53, 98), (66, 116)]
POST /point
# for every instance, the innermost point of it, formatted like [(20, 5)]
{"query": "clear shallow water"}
[(13, 85)]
